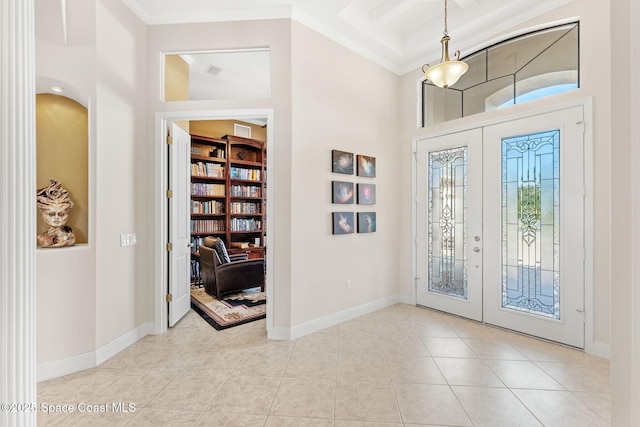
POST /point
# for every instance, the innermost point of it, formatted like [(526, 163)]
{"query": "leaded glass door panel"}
[(534, 226), (449, 230)]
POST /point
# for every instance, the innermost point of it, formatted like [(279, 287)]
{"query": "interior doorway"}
[(163, 177), (500, 224)]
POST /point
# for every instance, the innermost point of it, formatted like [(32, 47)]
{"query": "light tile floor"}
[(400, 366)]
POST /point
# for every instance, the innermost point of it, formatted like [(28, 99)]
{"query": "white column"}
[(17, 213), (625, 209)]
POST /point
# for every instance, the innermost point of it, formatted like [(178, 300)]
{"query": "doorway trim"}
[(160, 227), (591, 346)]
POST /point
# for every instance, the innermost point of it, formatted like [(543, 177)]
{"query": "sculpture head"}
[(54, 204)]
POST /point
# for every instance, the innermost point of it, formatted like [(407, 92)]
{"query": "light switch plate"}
[(128, 239)]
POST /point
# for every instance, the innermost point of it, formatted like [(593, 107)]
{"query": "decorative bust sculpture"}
[(55, 205)]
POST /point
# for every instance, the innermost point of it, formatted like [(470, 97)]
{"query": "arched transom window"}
[(526, 67)]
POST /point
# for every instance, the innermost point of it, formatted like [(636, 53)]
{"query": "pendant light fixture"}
[(447, 72)]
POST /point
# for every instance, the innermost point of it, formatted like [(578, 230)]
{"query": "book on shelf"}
[(246, 174), (201, 189), (212, 170), (217, 152), (245, 191), (240, 245)]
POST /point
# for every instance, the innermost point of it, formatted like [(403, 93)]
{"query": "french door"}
[(500, 225)]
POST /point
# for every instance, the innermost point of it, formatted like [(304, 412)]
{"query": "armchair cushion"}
[(219, 248)]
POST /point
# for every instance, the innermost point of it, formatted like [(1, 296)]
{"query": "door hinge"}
[(169, 140), (169, 298), (169, 194), (169, 246)]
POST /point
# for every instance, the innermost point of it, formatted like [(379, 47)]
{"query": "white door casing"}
[(179, 230)]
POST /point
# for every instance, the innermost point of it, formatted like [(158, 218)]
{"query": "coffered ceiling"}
[(400, 35)]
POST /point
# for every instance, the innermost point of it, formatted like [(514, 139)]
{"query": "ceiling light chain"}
[(447, 72), (445, 33)]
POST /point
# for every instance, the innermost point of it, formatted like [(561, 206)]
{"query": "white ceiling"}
[(400, 35)]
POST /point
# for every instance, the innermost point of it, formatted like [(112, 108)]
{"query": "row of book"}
[(245, 191), (196, 242), (245, 224), (213, 170), (196, 278), (244, 208), (212, 152), (208, 207), (200, 189), (246, 174), (207, 225)]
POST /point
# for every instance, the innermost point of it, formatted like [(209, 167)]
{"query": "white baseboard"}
[(107, 351), (599, 349), (92, 359), (278, 333), (66, 366)]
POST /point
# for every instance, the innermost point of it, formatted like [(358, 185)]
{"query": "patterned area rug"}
[(232, 309)]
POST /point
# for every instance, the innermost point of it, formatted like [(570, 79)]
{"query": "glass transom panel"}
[(447, 222), (530, 223)]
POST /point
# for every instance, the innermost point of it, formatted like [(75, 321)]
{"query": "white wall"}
[(595, 82), (341, 101), (123, 274)]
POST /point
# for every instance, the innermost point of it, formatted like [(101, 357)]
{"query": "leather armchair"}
[(224, 274)]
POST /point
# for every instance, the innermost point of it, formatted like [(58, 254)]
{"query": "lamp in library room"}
[(447, 72), (55, 206)]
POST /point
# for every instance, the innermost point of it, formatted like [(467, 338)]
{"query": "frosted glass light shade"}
[(446, 73)]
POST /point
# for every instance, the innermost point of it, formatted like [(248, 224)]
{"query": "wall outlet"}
[(348, 285), (128, 239)]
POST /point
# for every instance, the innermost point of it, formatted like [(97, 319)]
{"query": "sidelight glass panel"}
[(447, 225), (530, 223)]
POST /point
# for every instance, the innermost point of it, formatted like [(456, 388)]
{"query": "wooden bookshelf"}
[(228, 193)]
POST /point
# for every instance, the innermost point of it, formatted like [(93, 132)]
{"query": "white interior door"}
[(449, 226), (179, 230), (500, 225), (534, 226)]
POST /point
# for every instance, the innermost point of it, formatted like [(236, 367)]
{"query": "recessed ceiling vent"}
[(214, 71)]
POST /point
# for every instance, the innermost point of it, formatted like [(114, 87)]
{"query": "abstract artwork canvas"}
[(366, 166), (343, 223), (366, 194), (366, 222), (342, 192), (341, 162)]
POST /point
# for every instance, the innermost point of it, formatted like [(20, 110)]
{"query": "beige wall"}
[(219, 128), (335, 108), (595, 82), (176, 78), (62, 153), (124, 275)]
